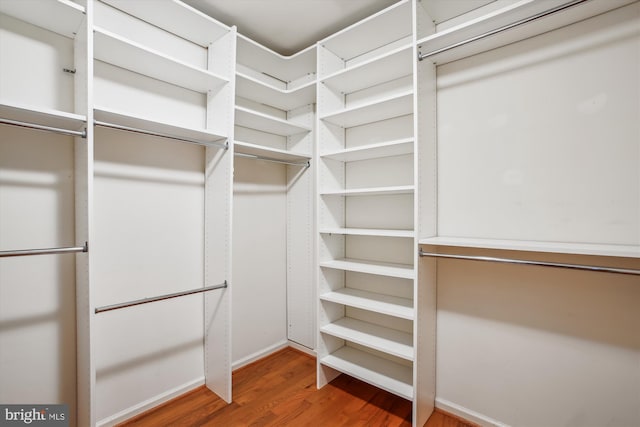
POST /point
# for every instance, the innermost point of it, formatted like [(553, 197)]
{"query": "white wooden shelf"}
[(372, 151), (378, 303), (386, 108), (386, 340), (382, 373), (175, 17), (375, 191), (274, 153), (63, 17), (152, 126), (391, 24), (283, 99), (266, 123), (374, 232), (124, 53), (403, 271), (631, 251), (42, 116), (386, 67), (504, 16)]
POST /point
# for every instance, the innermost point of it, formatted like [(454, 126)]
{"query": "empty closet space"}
[(537, 160)]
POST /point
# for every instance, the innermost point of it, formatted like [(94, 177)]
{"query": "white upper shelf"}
[(152, 126), (124, 53), (386, 26), (374, 232), (63, 17), (42, 117), (507, 16), (175, 17), (386, 108), (272, 153), (373, 191), (284, 99), (379, 303), (383, 68), (403, 271), (266, 123), (630, 251)]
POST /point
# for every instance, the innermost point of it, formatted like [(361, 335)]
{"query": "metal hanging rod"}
[(223, 145), (537, 263), (80, 133), (159, 298), (548, 12), (271, 159), (48, 251)]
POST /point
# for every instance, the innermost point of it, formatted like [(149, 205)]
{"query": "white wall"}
[(540, 140), (259, 304)]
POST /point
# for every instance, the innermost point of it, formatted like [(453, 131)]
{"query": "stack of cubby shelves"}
[(367, 284)]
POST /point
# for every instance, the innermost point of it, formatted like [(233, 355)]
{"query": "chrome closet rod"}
[(271, 159), (539, 15), (80, 133), (47, 251), (537, 263), (224, 145), (159, 298)]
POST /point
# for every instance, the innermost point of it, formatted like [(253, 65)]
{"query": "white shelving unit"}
[(274, 122), (367, 280)]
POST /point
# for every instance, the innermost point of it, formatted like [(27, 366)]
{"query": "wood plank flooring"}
[(280, 390)]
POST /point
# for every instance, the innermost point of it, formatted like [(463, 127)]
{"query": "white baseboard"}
[(150, 403), (259, 355), (302, 348), (467, 414)]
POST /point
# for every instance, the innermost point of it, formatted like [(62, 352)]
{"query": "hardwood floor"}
[(280, 390)]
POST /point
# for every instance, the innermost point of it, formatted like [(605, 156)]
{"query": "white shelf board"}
[(386, 108), (378, 303), (403, 271), (372, 151), (263, 93), (63, 17), (380, 29), (114, 49), (150, 125), (176, 17), (509, 14), (377, 191), (631, 251), (384, 68), (374, 232), (266, 123), (386, 340), (42, 116), (382, 373), (274, 153)]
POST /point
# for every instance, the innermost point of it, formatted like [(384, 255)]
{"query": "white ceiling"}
[(288, 26)]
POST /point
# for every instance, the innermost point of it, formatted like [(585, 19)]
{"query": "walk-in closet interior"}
[(441, 199)]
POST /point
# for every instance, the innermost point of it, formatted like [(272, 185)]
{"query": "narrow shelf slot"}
[(372, 151), (265, 123), (386, 340), (378, 303), (63, 17), (376, 191), (382, 373), (387, 108), (403, 271), (375, 232), (283, 99), (386, 67), (116, 50)]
